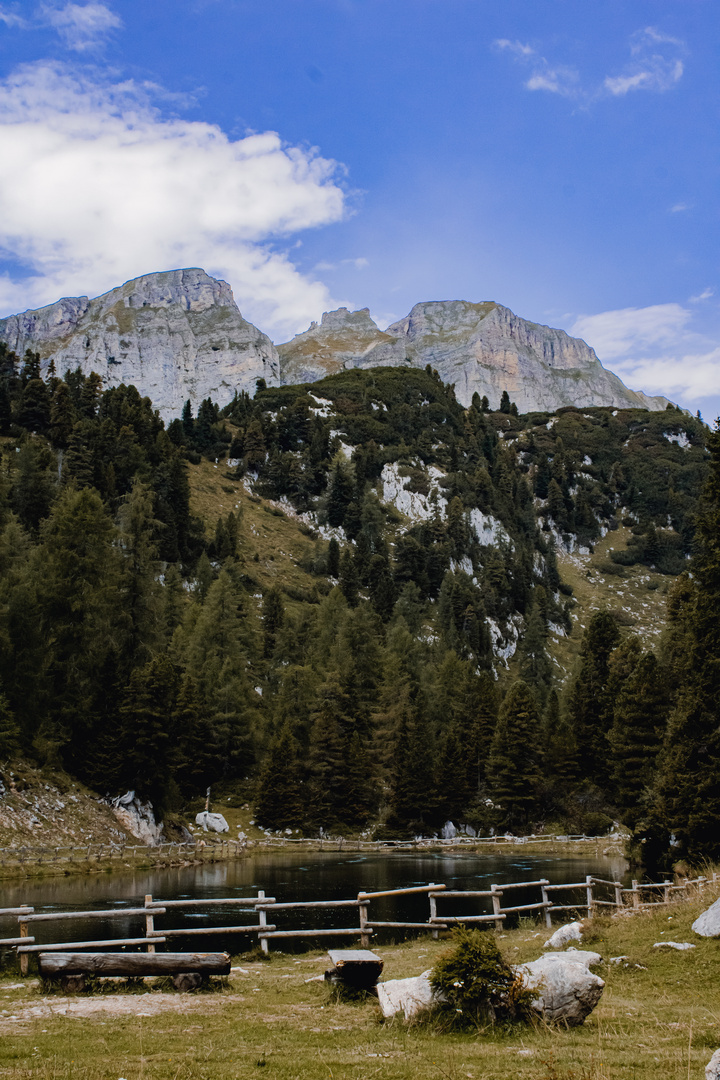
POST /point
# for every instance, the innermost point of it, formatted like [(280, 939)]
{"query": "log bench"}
[(188, 970)]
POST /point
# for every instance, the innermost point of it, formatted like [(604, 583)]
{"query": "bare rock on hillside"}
[(138, 818), (483, 348), (339, 341), (176, 335)]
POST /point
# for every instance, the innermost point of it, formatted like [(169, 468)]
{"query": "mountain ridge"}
[(178, 335)]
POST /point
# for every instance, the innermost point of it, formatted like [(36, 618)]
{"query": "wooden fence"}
[(591, 895)]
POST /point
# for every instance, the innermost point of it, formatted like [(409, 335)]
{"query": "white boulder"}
[(682, 946), (708, 924), (211, 822), (408, 996), (566, 990), (564, 935), (712, 1069)]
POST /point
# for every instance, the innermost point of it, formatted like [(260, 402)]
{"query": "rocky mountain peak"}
[(175, 335)]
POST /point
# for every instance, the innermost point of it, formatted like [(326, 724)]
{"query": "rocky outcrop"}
[(138, 818), (176, 336), (343, 339), (483, 348)]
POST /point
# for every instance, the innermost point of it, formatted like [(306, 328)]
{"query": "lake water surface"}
[(288, 877)]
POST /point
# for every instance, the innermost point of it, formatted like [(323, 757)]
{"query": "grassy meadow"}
[(659, 1017)]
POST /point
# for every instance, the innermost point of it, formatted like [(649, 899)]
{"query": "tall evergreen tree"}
[(514, 765), (590, 705), (687, 800)]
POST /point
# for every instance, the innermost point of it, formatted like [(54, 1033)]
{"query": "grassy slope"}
[(659, 1019), (638, 595), (46, 808)]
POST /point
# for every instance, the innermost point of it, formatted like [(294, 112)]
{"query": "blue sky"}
[(558, 156)]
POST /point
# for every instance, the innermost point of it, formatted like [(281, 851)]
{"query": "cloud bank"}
[(96, 187), (656, 349)]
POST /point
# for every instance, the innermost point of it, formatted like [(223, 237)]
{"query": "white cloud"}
[(655, 67), (97, 187), (656, 349), (704, 295), (82, 27), (679, 208), (10, 18), (615, 333), (516, 47), (563, 81), (691, 377)]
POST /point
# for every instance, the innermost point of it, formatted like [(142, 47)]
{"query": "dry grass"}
[(659, 1019), (638, 597)]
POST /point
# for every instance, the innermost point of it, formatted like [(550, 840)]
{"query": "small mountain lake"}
[(295, 876)]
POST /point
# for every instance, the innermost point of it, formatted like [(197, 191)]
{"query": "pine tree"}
[(590, 705), (535, 664), (514, 765), (349, 580), (148, 734), (687, 796), (635, 738), (273, 616), (281, 791)]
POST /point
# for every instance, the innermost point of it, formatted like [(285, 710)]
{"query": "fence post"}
[(149, 923), (496, 898), (589, 892), (264, 943), (546, 900), (433, 915), (666, 891), (363, 912), (618, 895), (24, 958), (635, 894)]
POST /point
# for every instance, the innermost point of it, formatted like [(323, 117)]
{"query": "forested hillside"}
[(389, 666)]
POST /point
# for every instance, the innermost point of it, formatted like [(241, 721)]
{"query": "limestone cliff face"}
[(478, 347), (343, 339), (174, 335)]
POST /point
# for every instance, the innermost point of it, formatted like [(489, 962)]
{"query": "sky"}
[(557, 156)]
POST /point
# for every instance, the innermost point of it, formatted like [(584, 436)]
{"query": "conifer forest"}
[(410, 679)]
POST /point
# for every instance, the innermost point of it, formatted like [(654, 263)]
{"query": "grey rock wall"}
[(176, 336), (483, 348)]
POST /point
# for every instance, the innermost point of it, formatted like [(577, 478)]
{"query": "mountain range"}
[(179, 335)]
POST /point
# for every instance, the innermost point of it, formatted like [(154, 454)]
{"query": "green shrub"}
[(477, 984)]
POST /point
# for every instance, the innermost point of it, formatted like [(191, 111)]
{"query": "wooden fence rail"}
[(594, 895)]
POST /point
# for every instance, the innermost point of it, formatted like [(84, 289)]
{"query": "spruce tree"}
[(281, 792), (687, 795), (590, 706), (514, 765), (635, 738)]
